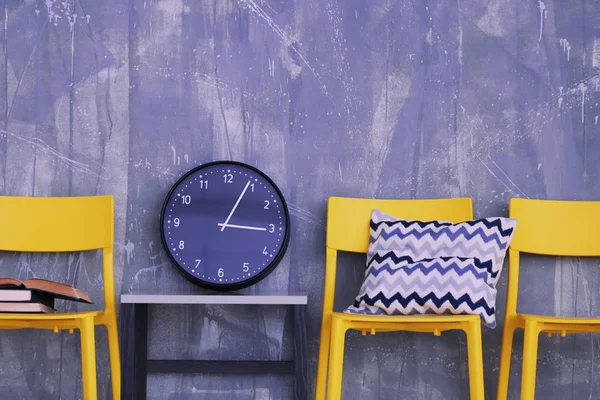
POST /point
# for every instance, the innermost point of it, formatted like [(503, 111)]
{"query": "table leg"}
[(140, 350), (126, 339), (300, 350)]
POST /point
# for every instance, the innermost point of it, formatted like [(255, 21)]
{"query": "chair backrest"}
[(61, 224), (550, 227), (348, 221), (559, 228)]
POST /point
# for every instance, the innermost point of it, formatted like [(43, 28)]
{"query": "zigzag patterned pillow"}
[(394, 284), (485, 239)]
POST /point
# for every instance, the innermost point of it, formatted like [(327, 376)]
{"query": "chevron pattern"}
[(433, 267), (486, 239), (394, 284)]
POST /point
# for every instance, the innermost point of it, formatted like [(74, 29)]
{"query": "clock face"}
[(225, 225)]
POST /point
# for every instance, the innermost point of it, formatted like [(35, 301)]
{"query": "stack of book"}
[(36, 295)]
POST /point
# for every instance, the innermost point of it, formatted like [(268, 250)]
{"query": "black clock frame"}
[(227, 286)]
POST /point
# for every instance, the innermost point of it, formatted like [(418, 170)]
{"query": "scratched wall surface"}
[(487, 99)]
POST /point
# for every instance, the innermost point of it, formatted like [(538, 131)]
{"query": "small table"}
[(135, 364)]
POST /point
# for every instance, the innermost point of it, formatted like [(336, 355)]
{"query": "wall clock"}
[(225, 225)]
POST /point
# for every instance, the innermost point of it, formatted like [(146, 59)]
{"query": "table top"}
[(221, 298)]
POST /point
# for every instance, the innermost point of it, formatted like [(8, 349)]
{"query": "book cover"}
[(55, 289)]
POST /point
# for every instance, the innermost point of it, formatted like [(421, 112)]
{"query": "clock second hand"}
[(224, 225), (252, 228)]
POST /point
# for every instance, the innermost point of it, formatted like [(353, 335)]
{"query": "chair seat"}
[(412, 323), (406, 319), (54, 316), (44, 321), (554, 320)]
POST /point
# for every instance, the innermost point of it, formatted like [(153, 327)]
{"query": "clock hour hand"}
[(224, 225), (251, 228)]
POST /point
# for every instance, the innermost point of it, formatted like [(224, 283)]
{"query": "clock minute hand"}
[(224, 225), (251, 228)]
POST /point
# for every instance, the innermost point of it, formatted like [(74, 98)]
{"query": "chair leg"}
[(475, 354), (505, 357), (88, 358), (530, 347), (323, 362), (336, 359), (115, 361)]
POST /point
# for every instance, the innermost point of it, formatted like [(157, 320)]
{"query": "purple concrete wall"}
[(486, 99)]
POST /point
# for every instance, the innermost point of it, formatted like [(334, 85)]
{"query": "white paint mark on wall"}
[(147, 270), (340, 169), (596, 53), (429, 36), (305, 215), (174, 155), (494, 21), (583, 88), (596, 120), (462, 108), (61, 10), (543, 15), (388, 100), (72, 19), (560, 96), (129, 247), (49, 4), (460, 45), (213, 81), (479, 125), (566, 47), (24, 266), (507, 177), (170, 12), (293, 68), (539, 166), (271, 67), (40, 145), (287, 40)]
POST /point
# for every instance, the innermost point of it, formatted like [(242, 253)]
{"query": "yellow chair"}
[(66, 224), (547, 227), (348, 230)]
